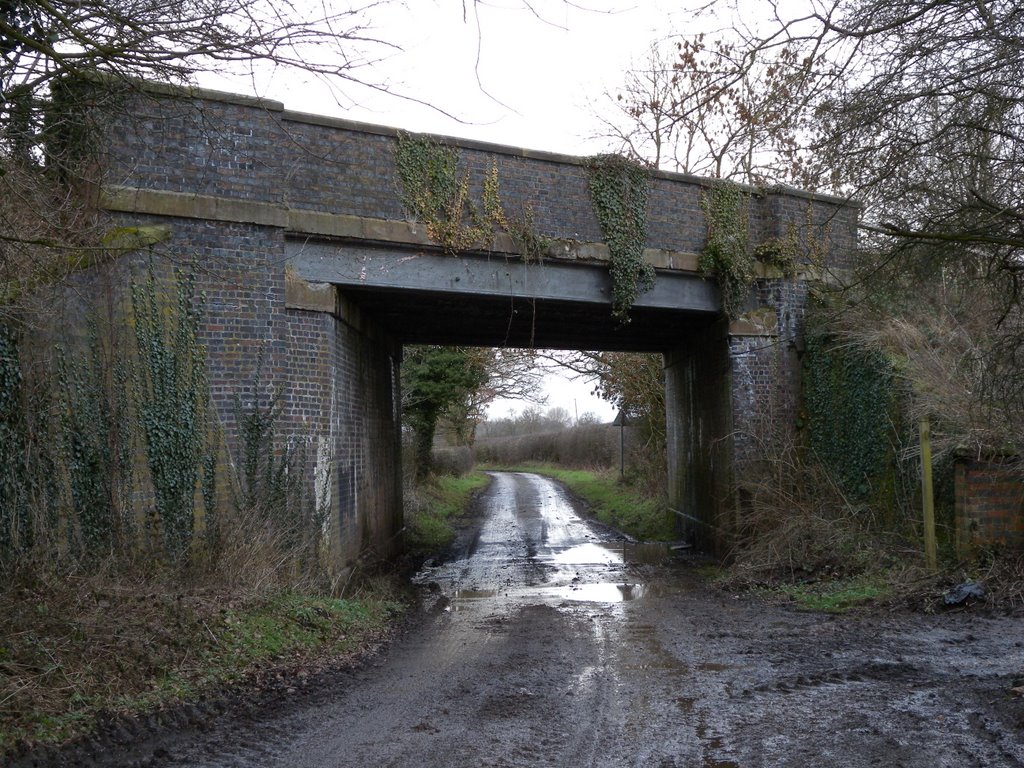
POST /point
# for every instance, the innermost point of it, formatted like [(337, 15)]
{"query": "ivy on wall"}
[(433, 190), (850, 399), (171, 402), (29, 472), (618, 190), (727, 253), (15, 521), (85, 426), (435, 193)]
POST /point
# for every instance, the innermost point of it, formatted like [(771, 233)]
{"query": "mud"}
[(545, 640)]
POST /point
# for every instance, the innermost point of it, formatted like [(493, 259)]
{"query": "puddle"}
[(601, 592), (588, 554)]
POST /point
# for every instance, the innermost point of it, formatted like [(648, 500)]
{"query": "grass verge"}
[(431, 507), (620, 505), (77, 649)]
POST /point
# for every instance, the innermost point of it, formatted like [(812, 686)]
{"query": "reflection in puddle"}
[(589, 554), (600, 592), (597, 593)]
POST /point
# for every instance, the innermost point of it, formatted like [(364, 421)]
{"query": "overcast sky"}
[(504, 74)]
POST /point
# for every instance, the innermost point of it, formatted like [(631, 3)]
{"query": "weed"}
[(78, 647)]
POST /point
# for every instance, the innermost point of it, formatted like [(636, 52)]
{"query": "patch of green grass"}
[(712, 572), (837, 596), (442, 499), (292, 624), (620, 505)]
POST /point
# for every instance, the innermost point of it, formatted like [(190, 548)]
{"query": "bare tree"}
[(704, 106)]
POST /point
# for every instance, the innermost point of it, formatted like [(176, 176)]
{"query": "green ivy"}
[(850, 401), (433, 191), (85, 428), (618, 191), (726, 254), (171, 395), (29, 476), (15, 520)]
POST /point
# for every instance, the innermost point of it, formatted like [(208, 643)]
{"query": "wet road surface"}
[(549, 642)]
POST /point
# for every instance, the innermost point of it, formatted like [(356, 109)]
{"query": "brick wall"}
[(989, 505), (336, 381)]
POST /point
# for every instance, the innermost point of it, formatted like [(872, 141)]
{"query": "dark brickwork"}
[(989, 505), (337, 372), (699, 419), (268, 155)]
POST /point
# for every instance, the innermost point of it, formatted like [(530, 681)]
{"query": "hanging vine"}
[(727, 254), (618, 190), (433, 190)]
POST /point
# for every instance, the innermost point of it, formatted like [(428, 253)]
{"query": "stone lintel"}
[(189, 206)]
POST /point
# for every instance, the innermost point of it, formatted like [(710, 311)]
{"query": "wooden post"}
[(927, 499)]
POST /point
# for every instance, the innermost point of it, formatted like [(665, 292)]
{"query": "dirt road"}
[(548, 642)]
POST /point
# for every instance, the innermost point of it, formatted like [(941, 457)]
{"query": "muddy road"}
[(546, 641)]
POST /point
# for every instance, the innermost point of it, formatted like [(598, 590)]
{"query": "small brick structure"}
[(989, 504)]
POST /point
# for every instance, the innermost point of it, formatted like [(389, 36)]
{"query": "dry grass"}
[(803, 538), (133, 637), (963, 368), (797, 522)]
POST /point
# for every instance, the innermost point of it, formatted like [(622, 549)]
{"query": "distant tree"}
[(511, 374), (633, 382), (434, 379)]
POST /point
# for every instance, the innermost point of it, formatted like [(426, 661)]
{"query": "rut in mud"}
[(546, 641)]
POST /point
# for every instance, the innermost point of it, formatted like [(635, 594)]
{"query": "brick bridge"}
[(307, 254)]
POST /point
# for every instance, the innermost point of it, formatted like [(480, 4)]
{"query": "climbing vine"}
[(433, 190), (618, 190), (727, 253), (849, 400), (435, 193), (96, 444), (171, 402), (29, 493), (15, 521)]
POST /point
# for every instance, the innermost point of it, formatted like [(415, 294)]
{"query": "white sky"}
[(536, 84)]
